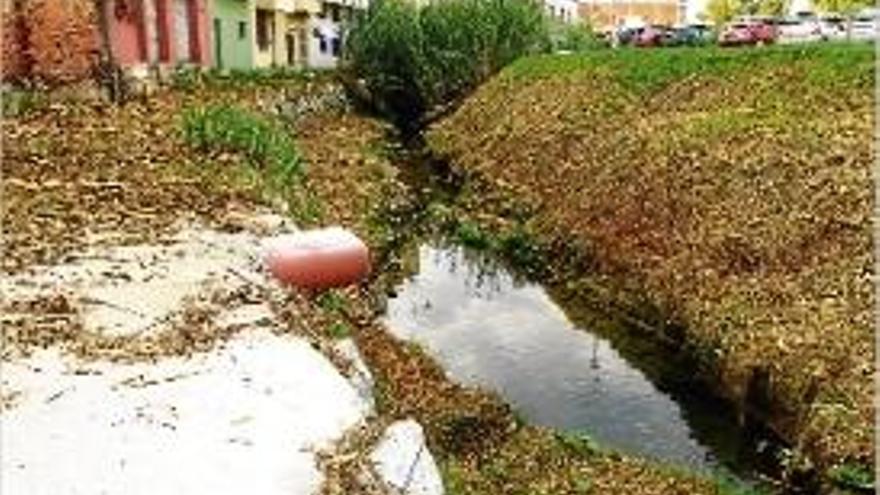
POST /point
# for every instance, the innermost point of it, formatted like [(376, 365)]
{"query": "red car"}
[(747, 33), (651, 36)]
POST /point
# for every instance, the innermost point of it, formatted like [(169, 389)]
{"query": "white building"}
[(563, 10), (327, 31)]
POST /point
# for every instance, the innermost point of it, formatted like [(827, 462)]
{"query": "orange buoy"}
[(318, 259)]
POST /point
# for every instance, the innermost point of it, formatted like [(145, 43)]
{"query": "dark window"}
[(242, 30), (337, 46), (334, 14), (264, 26), (322, 44)]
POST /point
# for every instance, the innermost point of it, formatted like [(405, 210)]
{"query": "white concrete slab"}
[(245, 419)]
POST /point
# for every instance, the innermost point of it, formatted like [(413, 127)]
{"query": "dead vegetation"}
[(733, 188), (78, 175)]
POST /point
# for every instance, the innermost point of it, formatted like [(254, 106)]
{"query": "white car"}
[(798, 30), (865, 25), (833, 27)]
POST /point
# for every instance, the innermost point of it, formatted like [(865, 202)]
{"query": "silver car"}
[(865, 25), (798, 30)]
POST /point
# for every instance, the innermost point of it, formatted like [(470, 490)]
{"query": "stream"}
[(491, 328)]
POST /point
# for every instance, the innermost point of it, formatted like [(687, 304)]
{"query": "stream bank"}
[(733, 205)]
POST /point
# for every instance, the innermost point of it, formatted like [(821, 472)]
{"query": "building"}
[(609, 14), (232, 34), (280, 33), (58, 41), (159, 33), (327, 31), (565, 11)]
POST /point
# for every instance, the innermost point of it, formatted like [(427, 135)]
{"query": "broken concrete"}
[(404, 463)]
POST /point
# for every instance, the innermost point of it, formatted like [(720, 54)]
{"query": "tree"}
[(772, 7), (842, 6), (721, 11)]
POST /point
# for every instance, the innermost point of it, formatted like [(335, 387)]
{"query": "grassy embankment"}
[(730, 188)]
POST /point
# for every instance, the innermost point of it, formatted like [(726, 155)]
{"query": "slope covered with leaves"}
[(732, 187)]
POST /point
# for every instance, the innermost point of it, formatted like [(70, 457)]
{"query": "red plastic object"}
[(318, 259)]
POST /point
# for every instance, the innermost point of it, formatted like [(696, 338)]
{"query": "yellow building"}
[(608, 14), (281, 35)]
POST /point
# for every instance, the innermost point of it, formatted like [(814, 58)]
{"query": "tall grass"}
[(226, 128), (407, 61)]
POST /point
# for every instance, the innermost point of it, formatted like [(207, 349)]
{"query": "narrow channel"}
[(491, 328)]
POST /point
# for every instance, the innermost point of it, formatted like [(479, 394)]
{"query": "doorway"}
[(218, 42), (290, 40)]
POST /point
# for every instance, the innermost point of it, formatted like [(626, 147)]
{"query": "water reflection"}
[(490, 329)]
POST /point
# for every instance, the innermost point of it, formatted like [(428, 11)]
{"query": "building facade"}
[(565, 11), (232, 35), (151, 33), (610, 14), (58, 41)]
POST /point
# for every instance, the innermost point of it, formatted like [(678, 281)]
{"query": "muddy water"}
[(488, 328)]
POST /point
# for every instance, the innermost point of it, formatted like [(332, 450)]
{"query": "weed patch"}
[(228, 129)]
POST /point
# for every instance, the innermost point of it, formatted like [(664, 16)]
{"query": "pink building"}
[(57, 41), (163, 32)]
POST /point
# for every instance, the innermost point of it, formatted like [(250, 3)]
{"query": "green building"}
[(233, 34)]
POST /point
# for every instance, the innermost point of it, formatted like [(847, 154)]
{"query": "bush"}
[(575, 38), (226, 128), (407, 61)]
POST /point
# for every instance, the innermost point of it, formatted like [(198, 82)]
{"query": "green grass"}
[(853, 476), (16, 103), (266, 145), (580, 444), (332, 301), (643, 71), (726, 486), (339, 330)]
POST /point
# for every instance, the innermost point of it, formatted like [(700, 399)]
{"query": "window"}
[(337, 46), (334, 13), (322, 44), (242, 30), (264, 29)]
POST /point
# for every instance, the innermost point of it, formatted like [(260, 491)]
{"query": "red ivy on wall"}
[(50, 41)]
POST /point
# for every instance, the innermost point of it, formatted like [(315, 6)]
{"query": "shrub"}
[(406, 61), (575, 38), (226, 128)]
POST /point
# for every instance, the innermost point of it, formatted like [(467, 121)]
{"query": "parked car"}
[(798, 30), (624, 35), (653, 35), (833, 27), (692, 35), (865, 25), (747, 33)]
